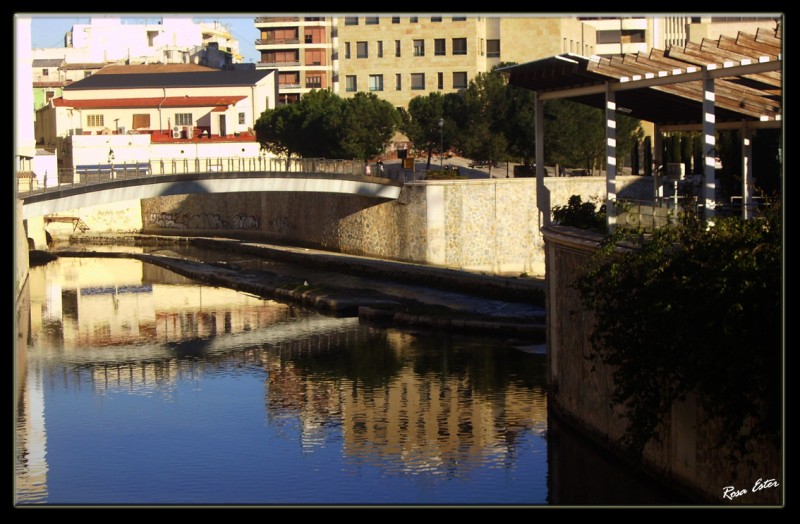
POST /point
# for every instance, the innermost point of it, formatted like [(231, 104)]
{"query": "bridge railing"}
[(89, 174)]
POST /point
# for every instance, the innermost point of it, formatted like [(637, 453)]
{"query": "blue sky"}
[(47, 30)]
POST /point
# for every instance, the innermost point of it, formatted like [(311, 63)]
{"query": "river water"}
[(139, 386)]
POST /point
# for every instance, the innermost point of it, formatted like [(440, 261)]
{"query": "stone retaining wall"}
[(486, 225)]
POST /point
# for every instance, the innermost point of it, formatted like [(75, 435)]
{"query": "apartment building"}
[(616, 36), (400, 57), (303, 49)]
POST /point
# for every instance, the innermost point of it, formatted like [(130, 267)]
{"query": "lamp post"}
[(441, 143)]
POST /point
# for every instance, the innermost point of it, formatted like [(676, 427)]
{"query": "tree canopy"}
[(322, 124)]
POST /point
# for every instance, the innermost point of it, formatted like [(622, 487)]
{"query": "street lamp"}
[(441, 143)]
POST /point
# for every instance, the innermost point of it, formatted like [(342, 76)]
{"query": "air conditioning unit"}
[(121, 130), (79, 131), (176, 132), (187, 131)]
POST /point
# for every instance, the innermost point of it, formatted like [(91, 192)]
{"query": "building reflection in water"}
[(422, 414), (407, 404)]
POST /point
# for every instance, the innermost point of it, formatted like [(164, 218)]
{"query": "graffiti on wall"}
[(202, 221)]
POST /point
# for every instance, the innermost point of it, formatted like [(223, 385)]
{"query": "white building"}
[(144, 116), (168, 40)]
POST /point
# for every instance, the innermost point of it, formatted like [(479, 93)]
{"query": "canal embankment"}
[(418, 295)]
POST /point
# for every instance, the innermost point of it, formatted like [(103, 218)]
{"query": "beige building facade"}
[(400, 57)]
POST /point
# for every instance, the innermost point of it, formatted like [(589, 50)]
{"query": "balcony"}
[(278, 41), (281, 87), (280, 64), (276, 19)]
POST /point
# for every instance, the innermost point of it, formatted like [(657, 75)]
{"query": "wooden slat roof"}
[(743, 95)]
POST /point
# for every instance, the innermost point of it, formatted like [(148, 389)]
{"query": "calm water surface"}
[(139, 386)]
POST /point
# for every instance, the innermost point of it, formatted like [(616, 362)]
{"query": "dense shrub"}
[(693, 309)]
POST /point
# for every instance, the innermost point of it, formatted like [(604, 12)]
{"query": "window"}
[(183, 119), (314, 82), (609, 36), (419, 47), (436, 19), (397, 48), (141, 121), (459, 46), (395, 19), (417, 81), (347, 49), (376, 82), (440, 80), (632, 36), (94, 120), (380, 48), (439, 46), (459, 80), (350, 83), (413, 19), (493, 48), (371, 20), (459, 19), (241, 118), (398, 81), (350, 20), (314, 56), (362, 50), (48, 95), (45, 72)]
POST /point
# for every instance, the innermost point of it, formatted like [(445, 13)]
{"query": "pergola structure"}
[(729, 83)]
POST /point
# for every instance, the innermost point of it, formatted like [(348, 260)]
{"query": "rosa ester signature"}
[(730, 492)]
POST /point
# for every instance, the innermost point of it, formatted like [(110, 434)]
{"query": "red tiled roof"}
[(219, 102)]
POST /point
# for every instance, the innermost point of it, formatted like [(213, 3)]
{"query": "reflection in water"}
[(206, 395), (412, 405)]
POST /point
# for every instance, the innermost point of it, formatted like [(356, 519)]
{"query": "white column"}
[(747, 171), (709, 144), (611, 156), (542, 196)]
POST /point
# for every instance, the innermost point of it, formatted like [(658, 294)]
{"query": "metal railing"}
[(652, 214), (80, 176)]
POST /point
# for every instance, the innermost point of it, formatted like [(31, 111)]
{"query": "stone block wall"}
[(488, 225)]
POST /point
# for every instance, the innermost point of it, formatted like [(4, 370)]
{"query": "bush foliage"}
[(693, 309)]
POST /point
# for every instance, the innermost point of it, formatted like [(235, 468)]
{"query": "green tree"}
[(280, 130), (520, 124), (574, 134), (487, 106), (420, 123), (647, 156), (323, 116), (368, 125)]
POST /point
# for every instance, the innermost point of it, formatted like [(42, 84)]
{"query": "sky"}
[(47, 30)]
